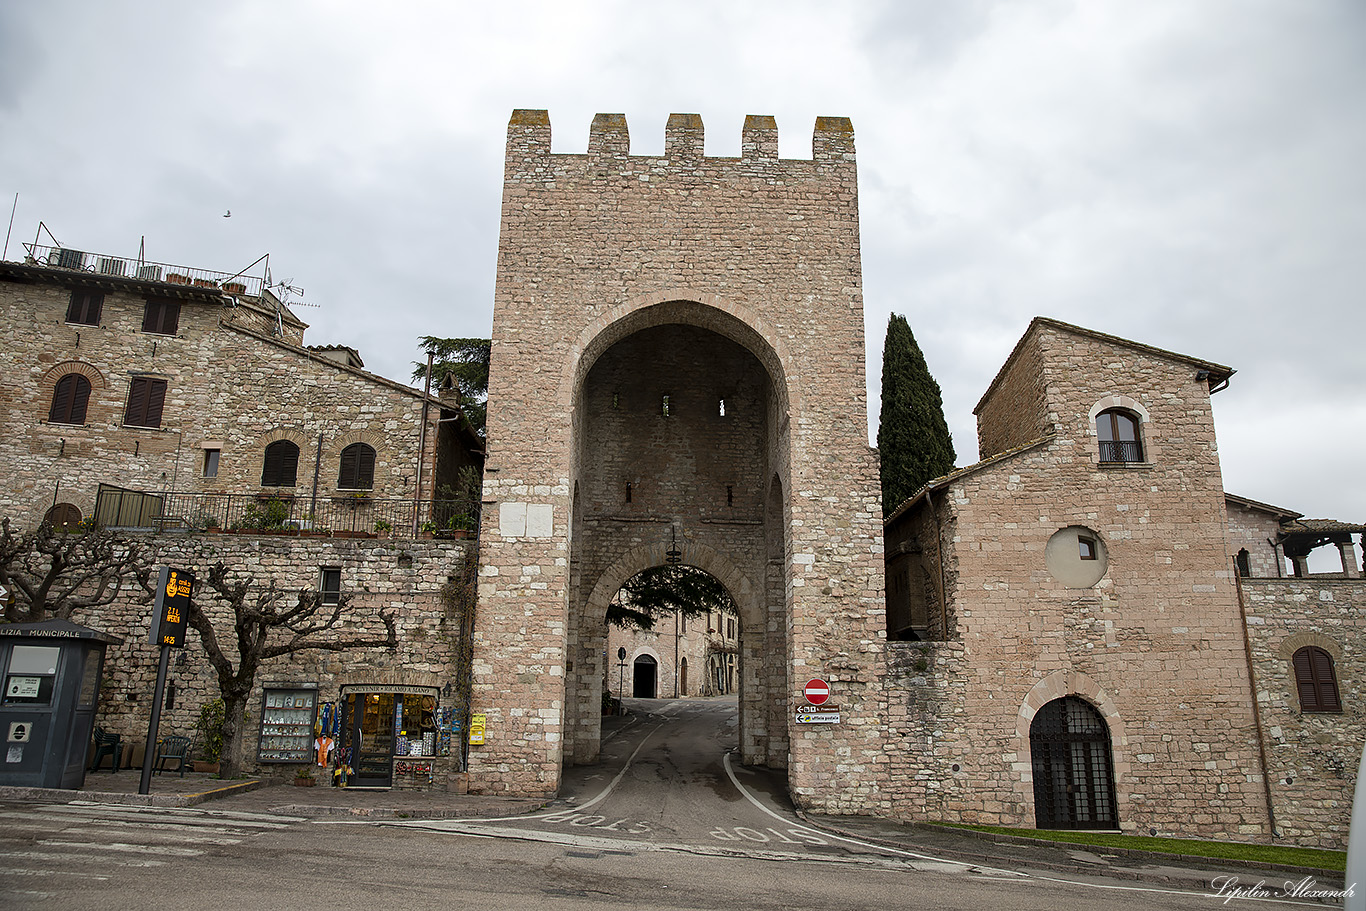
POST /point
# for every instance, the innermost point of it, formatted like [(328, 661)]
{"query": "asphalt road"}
[(668, 820)]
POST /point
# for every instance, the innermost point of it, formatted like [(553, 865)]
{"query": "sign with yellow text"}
[(174, 587)]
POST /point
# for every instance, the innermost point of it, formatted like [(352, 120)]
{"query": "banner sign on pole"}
[(174, 587)]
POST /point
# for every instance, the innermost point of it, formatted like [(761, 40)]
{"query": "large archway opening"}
[(680, 458)]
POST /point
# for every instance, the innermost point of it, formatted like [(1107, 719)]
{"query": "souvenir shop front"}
[(397, 736), (376, 736)]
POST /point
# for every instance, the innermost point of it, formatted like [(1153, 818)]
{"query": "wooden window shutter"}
[(161, 317), (146, 397), (357, 468), (1315, 681), (156, 398), (281, 465), (85, 307), (61, 400), (69, 400), (137, 401)]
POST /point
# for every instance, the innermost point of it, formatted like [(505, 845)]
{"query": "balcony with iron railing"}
[(1120, 451), (340, 515), (136, 268)]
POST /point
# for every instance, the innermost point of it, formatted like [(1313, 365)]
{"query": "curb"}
[(1331, 877), (323, 811), (64, 795)]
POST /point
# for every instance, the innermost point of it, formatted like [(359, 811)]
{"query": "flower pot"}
[(202, 766), (304, 782)]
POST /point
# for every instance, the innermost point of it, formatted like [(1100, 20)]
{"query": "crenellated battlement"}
[(610, 137)]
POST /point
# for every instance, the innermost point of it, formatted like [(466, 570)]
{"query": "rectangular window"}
[(1087, 548), (161, 316), (85, 307), (331, 584), (211, 462), (146, 395)]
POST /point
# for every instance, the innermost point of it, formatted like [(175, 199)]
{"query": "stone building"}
[(181, 387), (1305, 633), (679, 657), (180, 405), (1067, 642)]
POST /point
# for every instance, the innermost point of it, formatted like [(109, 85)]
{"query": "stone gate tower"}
[(678, 366)]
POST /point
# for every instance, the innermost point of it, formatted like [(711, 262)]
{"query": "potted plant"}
[(210, 737), (383, 527), (303, 778)]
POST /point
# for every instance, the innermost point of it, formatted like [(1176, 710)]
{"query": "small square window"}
[(211, 462), (85, 307), (161, 317), (1087, 548), (331, 584)]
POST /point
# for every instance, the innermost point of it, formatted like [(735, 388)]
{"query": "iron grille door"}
[(1074, 781)]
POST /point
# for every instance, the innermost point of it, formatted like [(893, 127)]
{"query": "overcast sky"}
[(1191, 175)]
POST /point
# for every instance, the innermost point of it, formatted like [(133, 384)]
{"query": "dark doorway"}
[(643, 674), (1074, 779), (370, 736)]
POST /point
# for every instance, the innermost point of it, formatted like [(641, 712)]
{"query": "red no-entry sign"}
[(816, 691)]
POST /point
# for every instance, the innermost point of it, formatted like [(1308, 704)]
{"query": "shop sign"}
[(477, 728), (353, 689), (174, 587)]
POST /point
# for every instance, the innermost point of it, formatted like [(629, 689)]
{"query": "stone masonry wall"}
[(761, 250), (1252, 529), (227, 388), (1014, 410), (377, 574), (1313, 756)]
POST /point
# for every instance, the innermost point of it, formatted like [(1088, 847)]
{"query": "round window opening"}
[(1076, 557)]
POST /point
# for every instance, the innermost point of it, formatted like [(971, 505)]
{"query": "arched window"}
[(1074, 779), (1315, 680), (1117, 431), (281, 466), (69, 399), (1244, 562), (357, 468), (64, 517)]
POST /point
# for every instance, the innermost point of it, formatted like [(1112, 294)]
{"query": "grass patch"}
[(1220, 850)]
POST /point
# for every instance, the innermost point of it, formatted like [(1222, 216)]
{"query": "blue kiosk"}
[(51, 687)]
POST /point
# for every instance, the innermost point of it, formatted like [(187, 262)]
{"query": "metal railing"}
[(142, 270), (1121, 451), (340, 515)]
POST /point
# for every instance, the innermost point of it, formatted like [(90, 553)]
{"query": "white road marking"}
[(71, 855), (744, 792), (120, 846)]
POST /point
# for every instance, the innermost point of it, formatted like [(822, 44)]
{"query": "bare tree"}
[(268, 623), (54, 574)]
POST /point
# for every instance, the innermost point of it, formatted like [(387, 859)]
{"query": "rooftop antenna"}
[(37, 235), (5, 255)]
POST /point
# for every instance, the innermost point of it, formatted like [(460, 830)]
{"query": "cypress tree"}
[(912, 436)]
